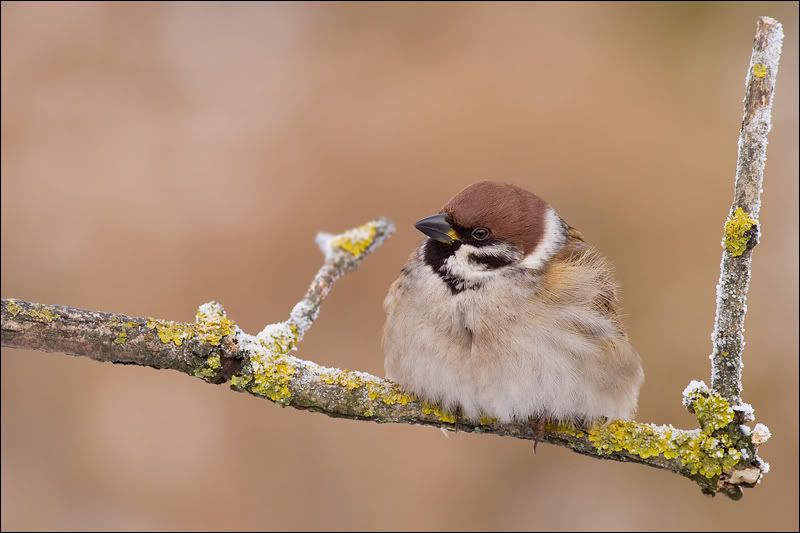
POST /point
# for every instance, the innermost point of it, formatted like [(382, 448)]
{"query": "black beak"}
[(438, 228)]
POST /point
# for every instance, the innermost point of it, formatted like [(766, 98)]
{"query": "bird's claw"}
[(538, 431)]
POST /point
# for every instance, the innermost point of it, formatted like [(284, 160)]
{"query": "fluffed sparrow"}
[(505, 312)]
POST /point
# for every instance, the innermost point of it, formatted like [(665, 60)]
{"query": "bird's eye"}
[(481, 234)]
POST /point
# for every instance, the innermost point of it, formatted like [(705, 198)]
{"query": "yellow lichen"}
[(343, 378), (41, 314), (435, 410), (708, 451), (738, 232), (640, 439), (564, 427), (356, 241), (759, 70), (712, 410), (241, 381), (273, 377), (487, 420), (209, 370), (170, 332), (13, 307), (389, 394), (38, 312), (210, 329), (706, 454), (122, 336), (270, 370)]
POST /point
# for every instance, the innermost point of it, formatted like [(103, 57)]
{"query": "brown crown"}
[(512, 214)]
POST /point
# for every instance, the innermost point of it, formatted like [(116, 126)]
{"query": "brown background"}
[(158, 156)]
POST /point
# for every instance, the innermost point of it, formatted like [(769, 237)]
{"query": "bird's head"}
[(488, 227)]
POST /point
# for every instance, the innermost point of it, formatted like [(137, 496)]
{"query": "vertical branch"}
[(741, 226)]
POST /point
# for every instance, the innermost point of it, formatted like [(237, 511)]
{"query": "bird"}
[(504, 311)]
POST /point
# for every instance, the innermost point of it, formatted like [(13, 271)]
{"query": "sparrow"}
[(504, 311)]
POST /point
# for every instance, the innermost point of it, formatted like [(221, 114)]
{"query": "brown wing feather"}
[(579, 274)]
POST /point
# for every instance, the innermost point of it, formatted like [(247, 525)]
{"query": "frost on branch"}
[(268, 367)]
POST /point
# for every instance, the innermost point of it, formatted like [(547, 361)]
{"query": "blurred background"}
[(157, 156)]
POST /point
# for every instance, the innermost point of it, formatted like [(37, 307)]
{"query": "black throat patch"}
[(436, 253)]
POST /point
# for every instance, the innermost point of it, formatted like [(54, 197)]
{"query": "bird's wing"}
[(579, 275)]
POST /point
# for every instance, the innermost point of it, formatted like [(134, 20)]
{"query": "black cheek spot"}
[(491, 261)]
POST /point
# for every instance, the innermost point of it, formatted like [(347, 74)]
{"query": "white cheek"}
[(458, 265), (552, 239)]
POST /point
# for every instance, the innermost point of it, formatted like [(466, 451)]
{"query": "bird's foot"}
[(458, 414), (538, 431)]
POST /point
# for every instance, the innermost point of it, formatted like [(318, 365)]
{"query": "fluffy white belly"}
[(495, 352)]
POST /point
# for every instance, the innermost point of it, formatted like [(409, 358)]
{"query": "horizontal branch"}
[(293, 382)]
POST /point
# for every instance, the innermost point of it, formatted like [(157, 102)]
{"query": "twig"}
[(720, 455)]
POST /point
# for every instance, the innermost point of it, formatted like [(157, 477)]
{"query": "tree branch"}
[(741, 226), (720, 455), (214, 349)]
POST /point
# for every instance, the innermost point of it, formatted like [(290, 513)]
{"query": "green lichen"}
[(13, 307), (272, 378), (738, 231), (122, 337), (759, 70), (356, 241), (435, 410)]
